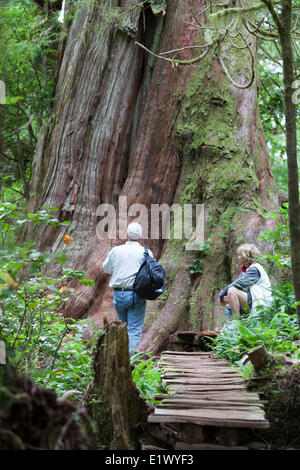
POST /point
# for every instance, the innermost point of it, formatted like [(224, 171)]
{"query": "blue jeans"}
[(131, 310)]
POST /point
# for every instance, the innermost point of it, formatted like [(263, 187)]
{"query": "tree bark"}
[(127, 126), (259, 357), (291, 143)]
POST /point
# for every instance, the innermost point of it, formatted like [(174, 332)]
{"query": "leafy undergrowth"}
[(146, 375), (279, 388), (40, 342), (276, 327)]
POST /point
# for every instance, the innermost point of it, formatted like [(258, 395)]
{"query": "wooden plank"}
[(149, 447), (200, 370), (212, 398), (259, 424), (227, 394), (191, 357), (205, 446), (202, 373), (203, 381), (187, 377), (205, 404), (206, 388), (194, 364), (219, 409), (185, 353), (202, 376), (232, 414)]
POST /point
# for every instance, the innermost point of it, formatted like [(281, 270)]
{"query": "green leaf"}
[(13, 99)]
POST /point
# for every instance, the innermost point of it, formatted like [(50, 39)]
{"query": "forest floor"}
[(34, 418), (279, 387)]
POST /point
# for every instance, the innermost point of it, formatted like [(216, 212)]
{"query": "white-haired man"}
[(123, 263)]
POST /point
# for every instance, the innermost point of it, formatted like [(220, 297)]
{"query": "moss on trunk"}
[(225, 166)]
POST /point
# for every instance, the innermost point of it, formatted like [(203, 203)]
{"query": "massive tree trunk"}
[(126, 126), (291, 143)]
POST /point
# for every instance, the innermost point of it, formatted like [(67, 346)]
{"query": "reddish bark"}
[(113, 134)]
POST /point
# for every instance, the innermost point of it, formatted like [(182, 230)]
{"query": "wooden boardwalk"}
[(206, 391)]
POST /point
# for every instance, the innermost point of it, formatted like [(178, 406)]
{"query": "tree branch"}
[(269, 56), (269, 4), (178, 61), (247, 85), (265, 34)]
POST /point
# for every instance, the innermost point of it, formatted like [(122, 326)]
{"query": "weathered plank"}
[(194, 403), (204, 370), (194, 364), (206, 446), (220, 397), (184, 353), (227, 394), (203, 380), (208, 421), (227, 414), (206, 388)]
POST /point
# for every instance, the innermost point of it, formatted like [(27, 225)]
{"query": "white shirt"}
[(123, 263)]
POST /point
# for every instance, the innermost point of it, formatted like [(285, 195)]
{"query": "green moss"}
[(214, 159), (226, 179), (217, 170), (208, 111)]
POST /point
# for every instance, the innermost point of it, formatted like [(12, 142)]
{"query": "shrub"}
[(147, 377), (39, 341), (276, 327)]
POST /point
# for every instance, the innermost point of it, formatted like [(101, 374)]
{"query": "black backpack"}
[(149, 281)]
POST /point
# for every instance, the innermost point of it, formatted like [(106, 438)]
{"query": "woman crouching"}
[(251, 289)]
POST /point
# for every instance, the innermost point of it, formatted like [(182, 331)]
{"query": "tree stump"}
[(259, 357), (113, 399)]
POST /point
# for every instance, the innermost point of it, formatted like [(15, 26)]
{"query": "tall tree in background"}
[(285, 30), (26, 67), (124, 124)]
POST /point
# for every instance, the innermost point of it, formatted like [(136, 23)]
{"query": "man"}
[(123, 263)]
